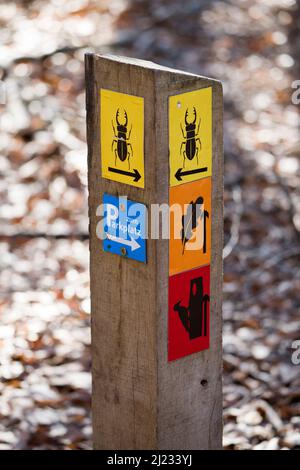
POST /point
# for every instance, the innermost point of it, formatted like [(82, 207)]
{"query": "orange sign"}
[(190, 226)]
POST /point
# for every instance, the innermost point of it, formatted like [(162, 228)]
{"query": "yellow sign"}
[(122, 137), (190, 136)]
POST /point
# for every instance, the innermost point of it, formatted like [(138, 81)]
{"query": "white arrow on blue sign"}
[(125, 227)]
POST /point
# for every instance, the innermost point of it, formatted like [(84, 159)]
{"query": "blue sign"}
[(125, 227)]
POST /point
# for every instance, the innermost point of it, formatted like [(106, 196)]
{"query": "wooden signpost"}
[(155, 137)]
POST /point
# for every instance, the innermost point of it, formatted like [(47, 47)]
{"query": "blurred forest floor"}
[(252, 47)]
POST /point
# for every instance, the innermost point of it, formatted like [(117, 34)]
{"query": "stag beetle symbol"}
[(191, 149), (120, 145)]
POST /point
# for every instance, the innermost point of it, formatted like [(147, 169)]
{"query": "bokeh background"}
[(252, 46)]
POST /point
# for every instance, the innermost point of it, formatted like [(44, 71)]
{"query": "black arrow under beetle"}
[(190, 135), (122, 148)]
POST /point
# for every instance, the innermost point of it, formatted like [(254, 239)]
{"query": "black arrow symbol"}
[(179, 173), (135, 174)]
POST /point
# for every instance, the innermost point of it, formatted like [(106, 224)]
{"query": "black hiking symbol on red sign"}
[(194, 317)]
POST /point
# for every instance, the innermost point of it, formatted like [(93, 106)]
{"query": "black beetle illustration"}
[(191, 149), (123, 148)]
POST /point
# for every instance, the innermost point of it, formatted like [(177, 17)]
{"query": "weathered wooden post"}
[(155, 137)]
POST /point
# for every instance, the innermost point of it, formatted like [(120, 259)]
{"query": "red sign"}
[(189, 298)]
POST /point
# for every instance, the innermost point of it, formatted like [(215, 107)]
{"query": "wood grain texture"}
[(140, 400)]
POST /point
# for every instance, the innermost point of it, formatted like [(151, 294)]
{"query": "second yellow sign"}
[(190, 136)]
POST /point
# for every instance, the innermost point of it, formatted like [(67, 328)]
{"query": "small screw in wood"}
[(123, 251)]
